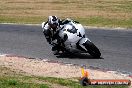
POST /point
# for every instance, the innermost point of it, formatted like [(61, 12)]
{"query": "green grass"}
[(61, 81), (21, 20), (20, 82), (108, 22)]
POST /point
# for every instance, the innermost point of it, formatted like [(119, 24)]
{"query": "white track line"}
[(2, 55)]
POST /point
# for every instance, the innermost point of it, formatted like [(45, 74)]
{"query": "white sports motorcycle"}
[(75, 40)]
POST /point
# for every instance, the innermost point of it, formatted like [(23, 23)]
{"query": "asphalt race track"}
[(28, 41)]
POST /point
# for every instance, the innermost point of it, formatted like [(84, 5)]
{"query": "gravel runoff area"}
[(43, 67)]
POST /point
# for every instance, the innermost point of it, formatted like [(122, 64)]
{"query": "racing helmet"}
[(53, 21)]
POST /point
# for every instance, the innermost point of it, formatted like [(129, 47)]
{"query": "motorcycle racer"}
[(51, 30)]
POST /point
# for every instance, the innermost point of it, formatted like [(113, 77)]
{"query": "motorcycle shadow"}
[(76, 56)]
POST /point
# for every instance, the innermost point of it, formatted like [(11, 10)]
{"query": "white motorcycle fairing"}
[(75, 35)]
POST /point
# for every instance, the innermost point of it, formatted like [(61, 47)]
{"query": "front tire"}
[(92, 49)]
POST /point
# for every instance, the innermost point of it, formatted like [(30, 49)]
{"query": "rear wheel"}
[(92, 49)]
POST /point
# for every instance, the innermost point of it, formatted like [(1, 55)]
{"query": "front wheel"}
[(92, 49)]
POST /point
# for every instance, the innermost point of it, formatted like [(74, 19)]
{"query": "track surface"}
[(115, 46)]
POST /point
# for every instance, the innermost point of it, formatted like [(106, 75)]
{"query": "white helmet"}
[(53, 21)]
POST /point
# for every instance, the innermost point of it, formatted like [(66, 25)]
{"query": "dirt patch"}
[(53, 69)]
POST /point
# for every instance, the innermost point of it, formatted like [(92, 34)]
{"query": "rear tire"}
[(92, 49)]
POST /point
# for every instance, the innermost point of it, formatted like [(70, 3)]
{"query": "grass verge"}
[(106, 22), (21, 20), (12, 79), (93, 21)]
